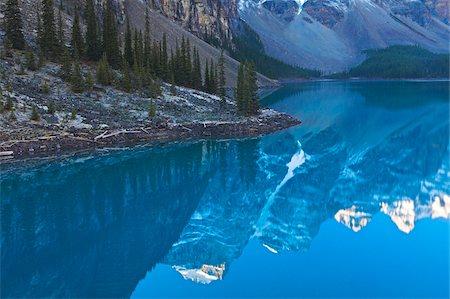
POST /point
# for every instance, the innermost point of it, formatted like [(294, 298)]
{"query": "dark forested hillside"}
[(402, 62)]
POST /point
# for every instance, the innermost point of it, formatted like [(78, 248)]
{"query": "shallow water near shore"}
[(354, 202)]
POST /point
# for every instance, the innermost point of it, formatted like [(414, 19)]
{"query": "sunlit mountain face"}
[(95, 225)]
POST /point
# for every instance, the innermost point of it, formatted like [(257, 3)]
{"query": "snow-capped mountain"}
[(330, 35)]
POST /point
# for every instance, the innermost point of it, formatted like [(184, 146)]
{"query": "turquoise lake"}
[(353, 203)]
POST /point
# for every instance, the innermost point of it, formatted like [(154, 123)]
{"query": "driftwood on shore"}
[(49, 143)]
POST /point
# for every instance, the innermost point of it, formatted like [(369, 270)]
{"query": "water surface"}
[(352, 203)]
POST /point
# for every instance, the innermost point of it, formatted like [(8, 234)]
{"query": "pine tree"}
[(77, 81), (110, 37), (212, 78), (196, 71), (49, 43), (35, 114), (13, 24), (92, 39), (221, 78), (173, 89), (51, 107), (252, 90), (30, 61), (207, 83), (128, 50), (164, 58), (45, 88), (90, 82), (66, 65), (152, 109), (103, 71), (126, 77), (77, 42), (188, 64)]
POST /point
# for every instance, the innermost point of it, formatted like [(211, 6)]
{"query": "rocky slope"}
[(330, 34), (109, 117)]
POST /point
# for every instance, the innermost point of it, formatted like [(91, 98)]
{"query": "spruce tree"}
[(188, 64), (30, 60), (126, 77), (90, 82), (77, 81), (103, 71), (35, 114), (252, 90), (152, 109), (207, 83), (164, 58), (212, 78), (91, 38), (13, 24), (49, 43), (110, 37), (77, 42), (196, 71), (221, 77), (66, 65), (128, 49)]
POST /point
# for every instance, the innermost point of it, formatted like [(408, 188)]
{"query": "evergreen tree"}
[(49, 39), (212, 78), (196, 71), (103, 71), (51, 107), (90, 82), (110, 37), (66, 65), (147, 25), (152, 109), (246, 90), (164, 58), (126, 77), (173, 89), (30, 61), (221, 77), (128, 49), (77, 81), (207, 83), (77, 42), (252, 89), (35, 114), (91, 38), (188, 64), (13, 24)]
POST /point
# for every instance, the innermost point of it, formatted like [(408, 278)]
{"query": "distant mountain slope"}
[(331, 34), (160, 22)]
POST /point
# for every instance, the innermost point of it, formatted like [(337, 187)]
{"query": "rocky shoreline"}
[(23, 143), (107, 117)]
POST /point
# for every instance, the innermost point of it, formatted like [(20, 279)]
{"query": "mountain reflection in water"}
[(93, 226)]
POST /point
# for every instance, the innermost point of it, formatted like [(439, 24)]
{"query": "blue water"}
[(353, 203)]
